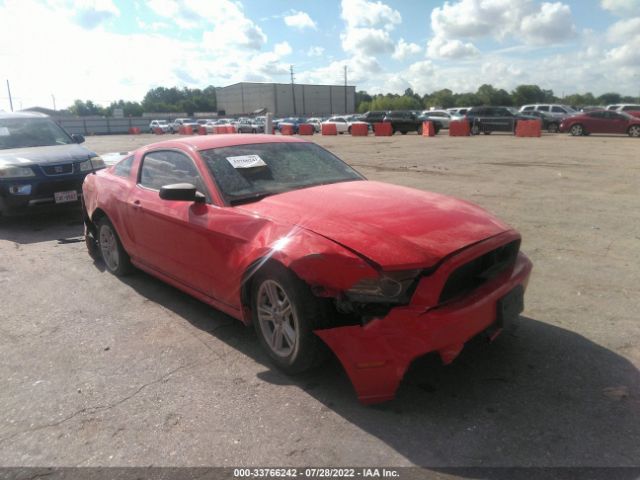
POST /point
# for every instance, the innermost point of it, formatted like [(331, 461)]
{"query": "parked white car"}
[(161, 124), (460, 111), (183, 122), (624, 107), (555, 109), (316, 122), (442, 116), (342, 126)]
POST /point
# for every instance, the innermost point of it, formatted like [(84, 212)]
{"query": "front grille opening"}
[(473, 274), (63, 169)]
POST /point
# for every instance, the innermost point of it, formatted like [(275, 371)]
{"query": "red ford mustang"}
[(280, 233)]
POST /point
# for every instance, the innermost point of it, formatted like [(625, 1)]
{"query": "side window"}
[(166, 167), (123, 167), (596, 114), (543, 108), (528, 108), (558, 110)]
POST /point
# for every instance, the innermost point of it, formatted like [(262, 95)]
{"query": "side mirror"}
[(184, 192), (76, 137)]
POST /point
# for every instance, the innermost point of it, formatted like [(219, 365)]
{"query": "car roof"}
[(207, 142), (23, 115)]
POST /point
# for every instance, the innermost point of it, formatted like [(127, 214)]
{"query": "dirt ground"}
[(101, 371)]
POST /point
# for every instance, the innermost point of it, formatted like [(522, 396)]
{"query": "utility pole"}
[(53, 97), (345, 90), (293, 92), (9, 90)]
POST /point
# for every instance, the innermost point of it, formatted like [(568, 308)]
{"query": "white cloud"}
[(315, 51), (364, 13), (622, 7), (300, 20), (624, 31), (439, 47), (553, 23), (226, 23), (525, 20), (282, 49), (405, 49), (367, 41)]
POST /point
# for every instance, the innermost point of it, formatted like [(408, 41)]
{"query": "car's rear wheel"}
[(553, 128), (285, 313), (487, 132), (113, 254), (349, 130), (634, 131), (577, 130)]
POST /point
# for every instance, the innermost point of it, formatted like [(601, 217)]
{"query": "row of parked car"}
[(554, 118), (243, 125)]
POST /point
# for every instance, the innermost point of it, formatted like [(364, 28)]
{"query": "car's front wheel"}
[(553, 128), (634, 131), (285, 313), (113, 254), (577, 130)]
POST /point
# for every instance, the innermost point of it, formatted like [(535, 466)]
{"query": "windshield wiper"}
[(251, 198)]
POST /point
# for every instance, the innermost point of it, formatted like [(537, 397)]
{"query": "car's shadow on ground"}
[(64, 226), (538, 396)]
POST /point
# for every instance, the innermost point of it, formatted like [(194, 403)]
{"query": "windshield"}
[(31, 132), (514, 110), (249, 172)]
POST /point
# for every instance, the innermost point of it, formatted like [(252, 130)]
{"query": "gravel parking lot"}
[(102, 371)]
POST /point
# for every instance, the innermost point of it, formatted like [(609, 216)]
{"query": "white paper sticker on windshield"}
[(4, 132), (246, 161)]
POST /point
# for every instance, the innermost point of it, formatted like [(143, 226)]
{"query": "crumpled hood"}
[(394, 226), (45, 155)]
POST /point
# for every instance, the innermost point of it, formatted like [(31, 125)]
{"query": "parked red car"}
[(279, 232), (601, 121)]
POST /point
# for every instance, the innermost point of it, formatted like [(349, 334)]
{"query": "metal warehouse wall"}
[(101, 125), (278, 98)]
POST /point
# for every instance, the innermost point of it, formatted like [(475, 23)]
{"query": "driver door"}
[(171, 236)]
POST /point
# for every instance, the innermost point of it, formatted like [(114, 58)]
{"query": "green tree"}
[(609, 98), (525, 94), (83, 109), (442, 99)]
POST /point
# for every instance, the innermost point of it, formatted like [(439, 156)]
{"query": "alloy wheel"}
[(277, 318)]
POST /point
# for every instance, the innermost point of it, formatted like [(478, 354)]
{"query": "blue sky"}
[(105, 50)]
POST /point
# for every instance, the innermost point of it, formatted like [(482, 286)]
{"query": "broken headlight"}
[(387, 287)]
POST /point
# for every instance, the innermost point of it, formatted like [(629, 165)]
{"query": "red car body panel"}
[(598, 125), (330, 236), (399, 239)]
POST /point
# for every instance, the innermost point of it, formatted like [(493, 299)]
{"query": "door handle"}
[(136, 204)]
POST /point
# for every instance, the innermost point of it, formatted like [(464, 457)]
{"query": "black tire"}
[(117, 261), (577, 130), (349, 130), (419, 130), (553, 128), (92, 246), (487, 132), (634, 131), (403, 132), (309, 312)]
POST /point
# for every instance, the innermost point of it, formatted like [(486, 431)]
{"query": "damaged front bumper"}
[(376, 355)]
